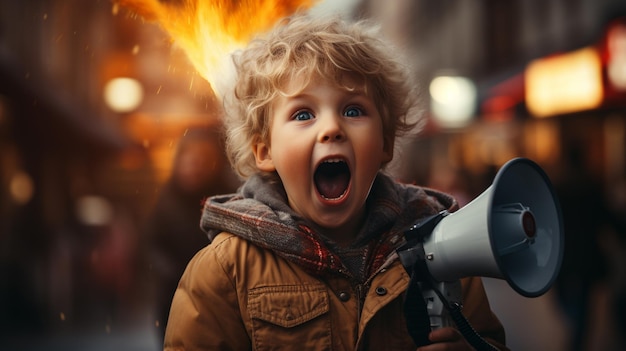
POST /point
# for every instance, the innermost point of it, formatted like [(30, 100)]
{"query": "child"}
[(303, 256)]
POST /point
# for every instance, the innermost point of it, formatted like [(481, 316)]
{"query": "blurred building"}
[(94, 102)]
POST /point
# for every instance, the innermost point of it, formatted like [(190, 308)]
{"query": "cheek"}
[(372, 143), (372, 153), (292, 159)]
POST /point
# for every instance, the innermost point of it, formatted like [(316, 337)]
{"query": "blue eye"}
[(303, 115), (353, 111)]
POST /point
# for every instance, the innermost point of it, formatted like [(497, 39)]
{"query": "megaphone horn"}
[(512, 231)]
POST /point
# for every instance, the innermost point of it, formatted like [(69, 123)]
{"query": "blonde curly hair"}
[(304, 47)]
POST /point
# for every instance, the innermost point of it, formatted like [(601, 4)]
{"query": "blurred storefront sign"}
[(585, 79), (564, 83)]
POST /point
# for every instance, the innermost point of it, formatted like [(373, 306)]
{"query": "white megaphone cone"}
[(512, 231)]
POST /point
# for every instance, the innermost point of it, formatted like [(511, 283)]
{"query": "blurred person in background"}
[(613, 245), (584, 266), (173, 235)]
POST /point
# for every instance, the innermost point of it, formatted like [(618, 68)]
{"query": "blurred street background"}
[(110, 140)]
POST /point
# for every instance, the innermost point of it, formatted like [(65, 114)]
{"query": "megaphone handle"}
[(439, 297), (454, 313), (419, 320)]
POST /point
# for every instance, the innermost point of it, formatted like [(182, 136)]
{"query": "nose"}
[(331, 129)]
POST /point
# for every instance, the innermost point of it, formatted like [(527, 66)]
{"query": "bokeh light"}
[(123, 94)]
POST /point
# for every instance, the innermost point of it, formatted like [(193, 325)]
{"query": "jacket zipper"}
[(361, 288), (359, 302)]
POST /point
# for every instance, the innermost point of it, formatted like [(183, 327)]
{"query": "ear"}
[(388, 150), (263, 157)]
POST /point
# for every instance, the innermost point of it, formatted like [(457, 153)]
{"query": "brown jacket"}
[(237, 296), (268, 281)]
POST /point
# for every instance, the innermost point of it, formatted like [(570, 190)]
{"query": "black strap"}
[(468, 332), (415, 311)]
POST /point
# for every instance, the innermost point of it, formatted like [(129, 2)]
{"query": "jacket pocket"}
[(290, 317)]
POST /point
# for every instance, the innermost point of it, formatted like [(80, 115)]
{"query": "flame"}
[(208, 31)]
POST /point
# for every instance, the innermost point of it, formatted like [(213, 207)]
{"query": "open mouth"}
[(332, 178)]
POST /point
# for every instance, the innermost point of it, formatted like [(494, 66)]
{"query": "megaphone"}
[(512, 231)]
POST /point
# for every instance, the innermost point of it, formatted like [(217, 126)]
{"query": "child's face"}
[(326, 144)]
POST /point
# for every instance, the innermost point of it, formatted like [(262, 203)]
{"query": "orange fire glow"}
[(208, 31)]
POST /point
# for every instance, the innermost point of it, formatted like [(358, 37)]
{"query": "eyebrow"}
[(359, 91)]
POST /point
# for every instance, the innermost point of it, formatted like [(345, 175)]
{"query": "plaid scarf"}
[(259, 213)]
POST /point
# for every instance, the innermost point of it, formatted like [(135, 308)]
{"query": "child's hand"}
[(446, 339)]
